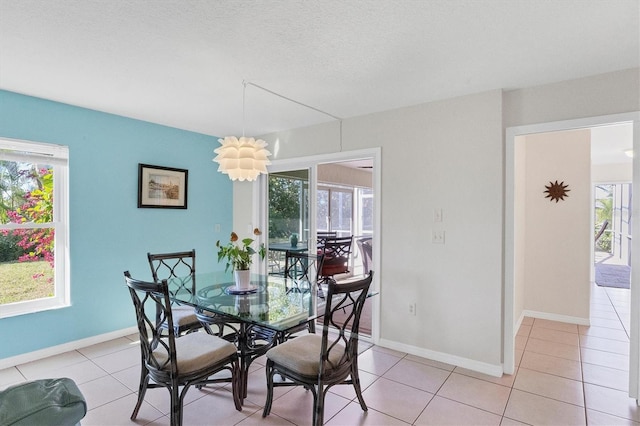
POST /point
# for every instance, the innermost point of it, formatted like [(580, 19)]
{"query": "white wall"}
[(557, 248), (520, 232), (612, 173), (341, 175), (604, 94), (588, 101), (448, 155), (444, 155)]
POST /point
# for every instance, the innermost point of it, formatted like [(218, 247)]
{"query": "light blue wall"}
[(108, 233)]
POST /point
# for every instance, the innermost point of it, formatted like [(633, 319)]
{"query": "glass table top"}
[(275, 302)]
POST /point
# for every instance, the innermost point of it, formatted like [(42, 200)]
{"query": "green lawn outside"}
[(17, 282)]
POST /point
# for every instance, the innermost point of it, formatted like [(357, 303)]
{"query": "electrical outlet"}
[(412, 308), (437, 237), (217, 227)]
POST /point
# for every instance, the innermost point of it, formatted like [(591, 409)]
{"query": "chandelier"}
[(246, 158), (242, 159)]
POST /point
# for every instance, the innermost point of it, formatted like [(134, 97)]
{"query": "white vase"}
[(242, 278)]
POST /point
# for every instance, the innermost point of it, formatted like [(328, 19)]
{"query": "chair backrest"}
[(303, 266), (366, 251), (178, 267), (157, 345), (323, 235), (340, 335), (336, 255)]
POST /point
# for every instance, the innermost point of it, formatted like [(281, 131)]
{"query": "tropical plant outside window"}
[(604, 216), (288, 200), (30, 270)]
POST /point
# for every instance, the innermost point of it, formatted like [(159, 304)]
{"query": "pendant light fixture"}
[(246, 158), (243, 158)]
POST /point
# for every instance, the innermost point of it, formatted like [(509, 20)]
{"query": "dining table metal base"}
[(253, 341)]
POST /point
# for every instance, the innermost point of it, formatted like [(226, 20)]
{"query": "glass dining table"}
[(272, 305)]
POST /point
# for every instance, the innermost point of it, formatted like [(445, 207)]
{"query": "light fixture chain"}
[(291, 100), (244, 82), (244, 93)]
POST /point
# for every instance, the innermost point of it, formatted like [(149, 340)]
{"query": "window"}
[(288, 205), (364, 213), (33, 227), (335, 209)]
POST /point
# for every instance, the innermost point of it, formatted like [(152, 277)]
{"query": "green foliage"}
[(604, 214), (12, 188), (604, 210), (604, 242), (284, 206), (10, 250), (34, 186)]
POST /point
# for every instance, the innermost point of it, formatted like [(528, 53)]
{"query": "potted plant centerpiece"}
[(239, 255)]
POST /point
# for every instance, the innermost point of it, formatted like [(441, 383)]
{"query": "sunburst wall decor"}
[(556, 191)]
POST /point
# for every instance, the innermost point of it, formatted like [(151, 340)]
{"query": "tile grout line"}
[(584, 390), (617, 314)]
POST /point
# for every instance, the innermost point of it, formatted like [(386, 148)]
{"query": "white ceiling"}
[(609, 143), (182, 62)]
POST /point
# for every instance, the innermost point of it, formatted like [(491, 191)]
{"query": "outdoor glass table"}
[(277, 255), (302, 246), (275, 305)]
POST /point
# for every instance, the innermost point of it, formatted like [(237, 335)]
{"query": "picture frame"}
[(162, 187)]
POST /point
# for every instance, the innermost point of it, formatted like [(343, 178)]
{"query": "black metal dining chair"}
[(366, 251), (323, 235), (301, 267), (318, 362), (172, 362), (337, 253), (180, 268)]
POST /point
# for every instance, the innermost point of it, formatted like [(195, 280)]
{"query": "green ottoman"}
[(56, 402)]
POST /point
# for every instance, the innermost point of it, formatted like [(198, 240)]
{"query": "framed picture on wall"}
[(162, 187)]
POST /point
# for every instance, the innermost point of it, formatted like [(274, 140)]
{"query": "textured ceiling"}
[(182, 62)]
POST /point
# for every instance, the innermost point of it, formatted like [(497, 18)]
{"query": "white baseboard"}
[(470, 364), (481, 367), (555, 317), (518, 324), (66, 347)]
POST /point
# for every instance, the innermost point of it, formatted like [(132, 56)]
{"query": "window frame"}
[(58, 157), (333, 188)]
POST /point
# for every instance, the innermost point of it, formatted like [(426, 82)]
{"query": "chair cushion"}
[(42, 402), (196, 351), (183, 315), (331, 270), (334, 265), (302, 354)]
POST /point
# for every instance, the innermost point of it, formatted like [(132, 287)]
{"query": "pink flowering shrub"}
[(36, 244)]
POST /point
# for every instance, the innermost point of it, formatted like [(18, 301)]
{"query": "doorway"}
[(514, 305), (362, 200), (612, 251)]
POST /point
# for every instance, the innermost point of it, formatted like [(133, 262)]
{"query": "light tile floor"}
[(567, 374)]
